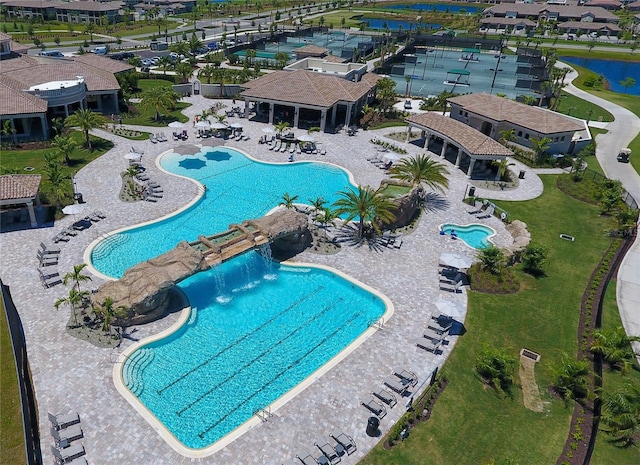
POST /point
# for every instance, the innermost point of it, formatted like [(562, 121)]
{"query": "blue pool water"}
[(474, 235), (237, 188), (446, 7), (396, 24), (613, 71), (260, 328)]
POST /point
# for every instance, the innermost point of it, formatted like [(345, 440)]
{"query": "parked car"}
[(146, 62), (407, 104), (117, 56), (100, 50), (213, 45), (127, 55)]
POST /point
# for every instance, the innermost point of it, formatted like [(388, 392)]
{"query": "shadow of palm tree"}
[(435, 202), (348, 234)]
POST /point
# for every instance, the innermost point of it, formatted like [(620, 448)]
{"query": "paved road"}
[(621, 132)]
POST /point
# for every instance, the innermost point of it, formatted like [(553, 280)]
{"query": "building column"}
[(347, 118), (459, 157), (32, 214), (45, 126), (66, 110), (246, 108), (334, 112), (406, 139), (445, 145), (271, 112), (470, 170), (323, 119), (296, 116), (427, 136)]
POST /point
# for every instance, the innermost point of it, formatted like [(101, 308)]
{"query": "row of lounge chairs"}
[(451, 279), (65, 429), (391, 241), (49, 277), (160, 137), (483, 209), (435, 335), (330, 454), (72, 231), (180, 135)]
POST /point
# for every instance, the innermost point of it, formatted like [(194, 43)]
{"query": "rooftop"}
[(19, 186), (563, 11), (503, 109), (312, 50)]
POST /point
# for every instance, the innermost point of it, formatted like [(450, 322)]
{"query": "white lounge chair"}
[(386, 397), (346, 442), (62, 421), (66, 435), (375, 407), (67, 454), (329, 452)]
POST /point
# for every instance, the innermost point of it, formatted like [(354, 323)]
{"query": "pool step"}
[(134, 367)]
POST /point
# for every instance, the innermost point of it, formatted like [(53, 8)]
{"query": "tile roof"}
[(306, 87), (19, 186), (334, 59), (507, 21), (15, 102), (103, 63), (589, 26), (471, 140), (4, 36), (311, 50), (564, 11), (502, 109), (91, 6)]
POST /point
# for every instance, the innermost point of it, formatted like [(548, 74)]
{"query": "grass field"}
[(11, 431), (470, 424), (578, 108), (147, 117)]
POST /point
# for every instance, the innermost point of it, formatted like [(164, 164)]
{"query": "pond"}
[(443, 8), (397, 24), (613, 71)]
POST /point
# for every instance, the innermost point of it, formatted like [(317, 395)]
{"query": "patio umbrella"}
[(186, 149), (391, 157), (73, 209), (305, 138), (235, 125), (219, 126), (202, 125), (133, 156), (451, 308), (176, 125), (268, 130), (455, 260)]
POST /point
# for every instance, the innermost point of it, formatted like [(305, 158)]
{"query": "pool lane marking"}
[(224, 349), (279, 375), (258, 357)]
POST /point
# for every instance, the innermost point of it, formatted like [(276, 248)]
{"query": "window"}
[(460, 112), (562, 139), (519, 133), (526, 136)]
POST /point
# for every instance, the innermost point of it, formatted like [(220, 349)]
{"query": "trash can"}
[(78, 197), (472, 191), (521, 175), (372, 426)]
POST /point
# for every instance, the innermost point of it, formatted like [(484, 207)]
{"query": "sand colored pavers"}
[(71, 375)]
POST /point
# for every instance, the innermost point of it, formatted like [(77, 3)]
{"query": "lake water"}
[(396, 24), (613, 72), (435, 7)]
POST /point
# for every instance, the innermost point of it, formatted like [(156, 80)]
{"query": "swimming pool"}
[(237, 188), (257, 329), (475, 235)]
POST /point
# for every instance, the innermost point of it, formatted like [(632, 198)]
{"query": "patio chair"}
[(164, 138), (375, 407), (156, 190), (397, 243), (70, 231), (68, 454), (60, 237), (346, 442), (488, 213), (94, 217), (46, 260), (154, 194), (455, 288), (444, 326), (478, 208), (148, 198), (396, 386), (78, 461), (153, 185), (386, 397), (246, 137), (152, 138), (329, 452), (49, 278), (407, 377), (142, 177), (307, 460), (62, 421), (49, 249), (175, 136), (429, 345), (323, 152), (66, 435), (433, 335), (283, 148)]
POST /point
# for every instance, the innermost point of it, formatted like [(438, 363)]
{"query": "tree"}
[(621, 414), (627, 83), (108, 313), (158, 99), (65, 145), (421, 169), (507, 135), (74, 299), (76, 276), (386, 93), (288, 201), (572, 379), (90, 29), (281, 59), (609, 195), (164, 63), (497, 367), (86, 120), (251, 55), (626, 218), (326, 217), (615, 347), (492, 259), (318, 203), (540, 145), (281, 126), (55, 176), (9, 130), (184, 70), (533, 258), (365, 204)]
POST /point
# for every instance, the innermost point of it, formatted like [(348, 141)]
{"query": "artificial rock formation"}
[(287, 230), (521, 237), (405, 205)]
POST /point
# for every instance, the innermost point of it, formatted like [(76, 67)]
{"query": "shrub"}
[(497, 367)]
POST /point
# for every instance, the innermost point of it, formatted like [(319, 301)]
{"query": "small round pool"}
[(475, 235)]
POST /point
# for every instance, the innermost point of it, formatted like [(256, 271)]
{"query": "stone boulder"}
[(144, 288), (521, 237), (405, 206), (287, 231)]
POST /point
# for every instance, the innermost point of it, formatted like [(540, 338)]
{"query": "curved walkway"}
[(622, 131)]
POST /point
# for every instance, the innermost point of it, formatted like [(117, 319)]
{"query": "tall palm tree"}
[(251, 55), (158, 99), (365, 204), (421, 169), (90, 28), (281, 126), (386, 93), (64, 145), (74, 299), (206, 73), (507, 135), (540, 145), (86, 120), (76, 276), (288, 201)]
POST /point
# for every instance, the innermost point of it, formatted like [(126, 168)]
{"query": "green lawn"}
[(578, 108), (606, 452), (147, 118), (470, 424), (19, 159), (146, 84), (11, 431)]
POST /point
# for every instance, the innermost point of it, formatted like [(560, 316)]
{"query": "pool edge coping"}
[(254, 420), (495, 233)]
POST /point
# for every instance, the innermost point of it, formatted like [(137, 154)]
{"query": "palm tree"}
[(251, 55), (206, 73), (65, 145), (288, 201), (507, 135), (386, 93), (326, 217), (540, 145), (317, 203), (74, 298), (108, 313), (572, 379), (76, 276), (615, 347), (492, 259), (158, 99), (281, 59), (497, 367), (421, 169), (90, 28), (281, 126), (621, 414), (184, 70), (365, 204), (164, 63), (86, 120)]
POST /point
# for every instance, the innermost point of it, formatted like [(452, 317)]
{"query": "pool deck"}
[(71, 375)]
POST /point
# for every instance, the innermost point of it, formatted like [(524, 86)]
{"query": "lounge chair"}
[(156, 190), (68, 454), (386, 397), (94, 217), (429, 345), (407, 377), (78, 461), (396, 386), (478, 208), (443, 326), (246, 137), (176, 136), (375, 407), (308, 460), (47, 260), (283, 148), (70, 231), (432, 335), (323, 152), (152, 138), (62, 421), (346, 442), (149, 198), (60, 237), (397, 242), (49, 278), (451, 288), (329, 452), (488, 213), (155, 195), (66, 435), (49, 249), (142, 177)]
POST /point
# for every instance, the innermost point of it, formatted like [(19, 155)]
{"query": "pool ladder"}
[(378, 324), (263, 413)]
